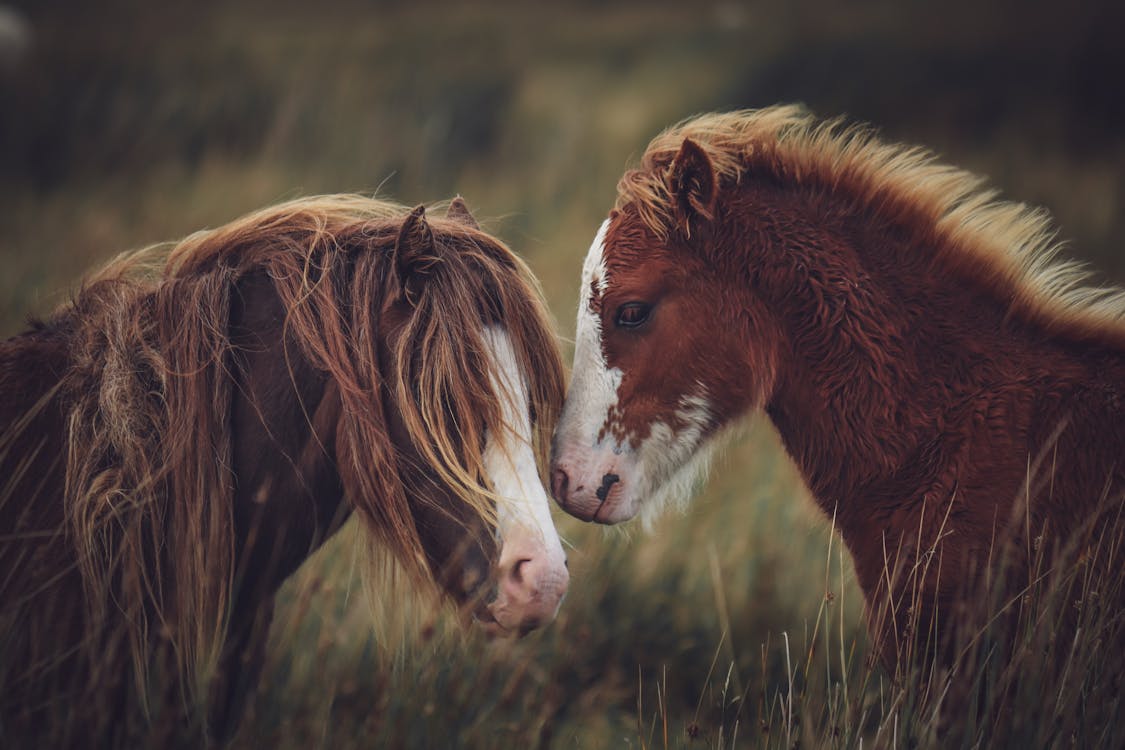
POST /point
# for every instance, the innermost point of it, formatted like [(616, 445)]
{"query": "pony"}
[(199, 418), (950, 390)]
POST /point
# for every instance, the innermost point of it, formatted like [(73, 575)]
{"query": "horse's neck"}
[(884, 347), (30, 365), (32, 429), (288, 496)]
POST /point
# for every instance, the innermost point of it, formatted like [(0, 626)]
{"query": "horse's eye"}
[(633, 314)]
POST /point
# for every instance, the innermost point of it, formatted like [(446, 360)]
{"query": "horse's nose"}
[(560, 483), (532, 588)]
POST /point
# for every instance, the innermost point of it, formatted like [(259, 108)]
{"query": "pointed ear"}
[(693, 184), (415, 254), (459, 212)]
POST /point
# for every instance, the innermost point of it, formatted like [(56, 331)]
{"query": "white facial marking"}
[(664, 468), (523, 516), (593, 388), (671, 464)]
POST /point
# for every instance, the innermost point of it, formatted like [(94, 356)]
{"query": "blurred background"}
[(125, 123)]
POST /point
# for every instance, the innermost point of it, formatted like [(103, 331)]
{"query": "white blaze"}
[(593, 388), (524, 514), (666, 465)]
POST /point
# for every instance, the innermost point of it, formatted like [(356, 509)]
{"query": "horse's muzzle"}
[(532, 579)]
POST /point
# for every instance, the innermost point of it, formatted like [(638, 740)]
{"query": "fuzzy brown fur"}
[(952, 392), (155, 428)]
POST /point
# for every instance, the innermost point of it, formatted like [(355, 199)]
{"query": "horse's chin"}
[(508, 615), (486, 621), (495, 631), (672, 485), (498, 622), (493, 619), (616, 510)]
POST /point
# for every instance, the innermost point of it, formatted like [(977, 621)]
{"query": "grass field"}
[(737, 624)]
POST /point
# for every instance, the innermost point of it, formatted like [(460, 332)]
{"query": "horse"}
[(950, 390), (198, 419)]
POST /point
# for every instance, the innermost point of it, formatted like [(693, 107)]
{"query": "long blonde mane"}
[(1011, 243), (149, 480)]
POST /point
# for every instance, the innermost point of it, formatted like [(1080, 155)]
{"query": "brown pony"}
[(942, 381), (184, 433)]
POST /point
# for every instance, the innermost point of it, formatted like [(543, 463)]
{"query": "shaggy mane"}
[(904, 185), (149, 478)]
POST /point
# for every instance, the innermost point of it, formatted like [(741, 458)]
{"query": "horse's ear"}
[(459, 212), (693, 184), (415, 254)]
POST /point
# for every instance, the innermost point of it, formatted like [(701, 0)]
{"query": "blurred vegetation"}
[(739, 624)]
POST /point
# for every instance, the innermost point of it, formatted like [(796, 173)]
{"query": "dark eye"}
[(633, 314)]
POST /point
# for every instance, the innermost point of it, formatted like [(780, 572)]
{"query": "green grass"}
[(700, 623), (736, 624)]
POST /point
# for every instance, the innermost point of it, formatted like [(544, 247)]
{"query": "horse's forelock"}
[(444, 376)]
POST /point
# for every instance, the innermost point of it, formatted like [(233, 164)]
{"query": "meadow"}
[(735, 624)]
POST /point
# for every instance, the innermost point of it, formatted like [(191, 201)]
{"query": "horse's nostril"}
[(517, 569), (560, 482), (607, 482)]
